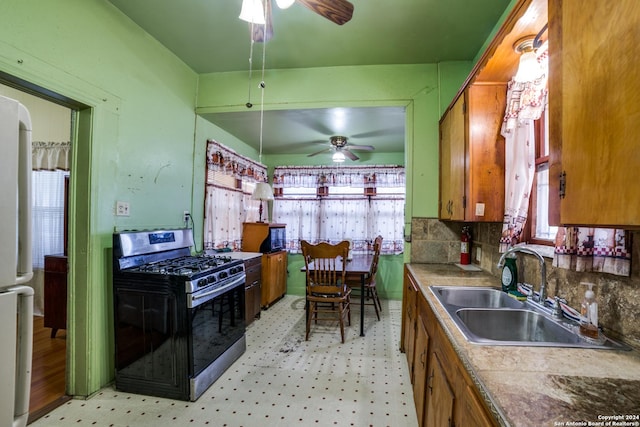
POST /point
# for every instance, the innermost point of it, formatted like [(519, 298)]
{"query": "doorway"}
[(52, 134)]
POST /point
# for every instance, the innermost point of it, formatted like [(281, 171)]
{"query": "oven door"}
[(216, 320)]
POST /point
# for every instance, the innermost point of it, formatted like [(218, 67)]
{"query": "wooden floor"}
[(48, 370)]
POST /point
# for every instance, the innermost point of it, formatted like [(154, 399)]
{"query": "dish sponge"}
[(517, 295)]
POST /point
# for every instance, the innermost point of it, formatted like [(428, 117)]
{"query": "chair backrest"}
[(377, 245), (325, 265)]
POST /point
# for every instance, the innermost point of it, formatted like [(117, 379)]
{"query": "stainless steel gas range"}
[(179, 318)]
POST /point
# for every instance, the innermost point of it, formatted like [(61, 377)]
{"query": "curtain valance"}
[(344, 176), (224, 159), (50, 155)]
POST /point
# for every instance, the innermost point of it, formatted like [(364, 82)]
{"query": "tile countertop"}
[(540, 386)]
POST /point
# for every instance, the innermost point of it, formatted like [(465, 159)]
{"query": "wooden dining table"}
[(357, 268)]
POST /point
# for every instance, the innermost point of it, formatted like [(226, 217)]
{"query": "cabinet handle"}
[(423, 357), (429, 381)]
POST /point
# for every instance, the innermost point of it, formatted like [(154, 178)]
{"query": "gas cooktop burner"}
[(184, 266)]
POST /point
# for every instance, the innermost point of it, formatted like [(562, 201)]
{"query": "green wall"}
[(139, 140), (135, 143)]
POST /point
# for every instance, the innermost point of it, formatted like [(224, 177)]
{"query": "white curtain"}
[(50, 155), (525, 103), (48, 214), (231, 179), (348, 215)]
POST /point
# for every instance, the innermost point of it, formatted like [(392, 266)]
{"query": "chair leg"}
[(309, 316), (375, 305), (376, 298), (341, 308)]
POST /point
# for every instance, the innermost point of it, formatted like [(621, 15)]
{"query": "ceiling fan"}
[(337, 11), (339, 145)]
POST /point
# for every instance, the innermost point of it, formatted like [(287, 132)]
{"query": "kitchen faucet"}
[(543, 270)]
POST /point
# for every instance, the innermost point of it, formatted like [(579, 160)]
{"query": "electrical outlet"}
[(478, 254), (185, 216), (122, 208)]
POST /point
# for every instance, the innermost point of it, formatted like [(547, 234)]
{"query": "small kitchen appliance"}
[(179, 318)]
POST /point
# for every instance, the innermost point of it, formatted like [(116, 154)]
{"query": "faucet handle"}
[(557, 308)]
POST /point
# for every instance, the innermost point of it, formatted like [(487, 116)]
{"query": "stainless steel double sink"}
[(491, 317)]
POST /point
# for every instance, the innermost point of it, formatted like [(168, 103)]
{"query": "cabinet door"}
[(440, 396), (452, 158), (420, 367), (281, 274), (274, 277), (472, 413), (485, 153), (409, 321), (594, 106)]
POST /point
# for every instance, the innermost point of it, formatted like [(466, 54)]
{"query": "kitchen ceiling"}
[(208, 36)]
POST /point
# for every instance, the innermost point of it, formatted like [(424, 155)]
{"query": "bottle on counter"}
[(589, 313)]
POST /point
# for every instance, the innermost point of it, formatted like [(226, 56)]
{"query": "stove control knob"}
[(223, 274), (202, 282), (211, 279)]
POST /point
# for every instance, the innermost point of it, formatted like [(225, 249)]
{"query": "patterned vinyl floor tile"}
[(281, 380)]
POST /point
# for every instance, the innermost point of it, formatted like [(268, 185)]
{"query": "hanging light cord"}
[(262, 84), (249, 104)]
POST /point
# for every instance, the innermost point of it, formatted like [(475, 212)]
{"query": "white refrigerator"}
[(16, 299)]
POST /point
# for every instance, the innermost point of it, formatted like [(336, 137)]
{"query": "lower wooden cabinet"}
[(420, 368), (439, 395), (274, 277), (444, 393), (55, 293), (409, 320), (253, 291)]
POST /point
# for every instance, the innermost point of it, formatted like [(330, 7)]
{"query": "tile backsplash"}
[(435, 241)]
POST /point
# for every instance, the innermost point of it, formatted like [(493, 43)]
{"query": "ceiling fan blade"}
[(381, 132), (318, 152), (349, 154), (263, 33), (361, 147), (338, 11)]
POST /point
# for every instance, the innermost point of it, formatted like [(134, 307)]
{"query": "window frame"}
[(542, 160)]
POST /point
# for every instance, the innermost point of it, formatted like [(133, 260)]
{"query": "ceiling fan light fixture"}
[(252, 11), (338, 157), (285, 4)]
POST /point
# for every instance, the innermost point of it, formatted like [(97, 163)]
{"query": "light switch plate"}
[(479, 209), (122, 208)]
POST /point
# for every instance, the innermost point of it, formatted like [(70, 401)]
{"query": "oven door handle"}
[(197, 299)]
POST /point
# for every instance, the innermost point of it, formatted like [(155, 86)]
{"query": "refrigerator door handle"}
[(25, 265)]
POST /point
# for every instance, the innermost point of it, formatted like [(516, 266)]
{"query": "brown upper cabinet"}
[(471, 145), (594, 101), (472, 155)]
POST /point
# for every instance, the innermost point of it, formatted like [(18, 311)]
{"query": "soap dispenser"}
[(589, 312)]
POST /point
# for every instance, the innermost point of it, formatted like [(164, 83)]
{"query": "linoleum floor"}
[(281, 380)]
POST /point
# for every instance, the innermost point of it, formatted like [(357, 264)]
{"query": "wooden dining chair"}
[(328, 296), (370, 281)]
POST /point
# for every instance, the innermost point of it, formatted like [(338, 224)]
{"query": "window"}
[(336, 203), (230, 181), (540, 232)]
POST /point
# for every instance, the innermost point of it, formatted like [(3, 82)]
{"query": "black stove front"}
[(179, 319)]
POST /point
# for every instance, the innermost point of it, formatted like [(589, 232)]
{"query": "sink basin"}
[(524, 328), (489, 316), (514, 325), (472, 297)]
